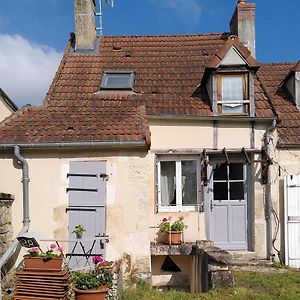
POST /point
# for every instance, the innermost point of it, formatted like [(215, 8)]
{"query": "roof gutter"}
[(210, 118), (69, 145), (25, 182), (286, 146)]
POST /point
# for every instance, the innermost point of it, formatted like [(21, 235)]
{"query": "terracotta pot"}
[(37, 263), (174, 237), (90, 294)]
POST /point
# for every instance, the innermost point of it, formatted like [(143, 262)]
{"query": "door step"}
[(248, 258), (243, 255)]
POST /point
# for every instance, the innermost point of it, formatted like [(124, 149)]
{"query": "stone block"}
[(220, 278)]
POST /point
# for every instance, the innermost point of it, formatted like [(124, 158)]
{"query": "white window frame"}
[(245, 102), (179, 207)]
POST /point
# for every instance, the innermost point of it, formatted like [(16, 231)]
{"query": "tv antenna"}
[(100, 15)]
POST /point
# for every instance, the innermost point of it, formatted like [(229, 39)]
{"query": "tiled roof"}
[(168, 72), (271, 76), (105, 122)]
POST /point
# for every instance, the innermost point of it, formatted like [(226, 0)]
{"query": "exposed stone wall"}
[(6, 231)]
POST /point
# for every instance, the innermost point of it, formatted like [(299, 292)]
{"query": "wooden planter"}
[(37, 263), (90, 294), (174, 237)]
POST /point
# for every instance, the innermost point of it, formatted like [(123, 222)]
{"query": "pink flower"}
[(60, 249), (34, 250), (98, 259), (52, 246)]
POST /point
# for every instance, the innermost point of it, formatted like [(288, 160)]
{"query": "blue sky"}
[(34, 33)]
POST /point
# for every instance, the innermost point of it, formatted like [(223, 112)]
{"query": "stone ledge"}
[(164, 249), (217, 255)]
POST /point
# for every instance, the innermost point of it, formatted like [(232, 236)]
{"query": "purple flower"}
[(60, 249), (52, 246)]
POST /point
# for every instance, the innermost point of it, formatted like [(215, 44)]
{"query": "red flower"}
[(165, 219)]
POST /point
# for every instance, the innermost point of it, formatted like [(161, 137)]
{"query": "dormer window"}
[(117, 80), (233, 93)]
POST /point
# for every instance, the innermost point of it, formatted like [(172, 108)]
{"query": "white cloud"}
[(190, 10), (26, 69)]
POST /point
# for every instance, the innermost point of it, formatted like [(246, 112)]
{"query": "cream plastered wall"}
[(196, 135), (128, 203), (5, 110)]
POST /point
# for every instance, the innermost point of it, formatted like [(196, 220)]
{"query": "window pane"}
[(236, 171), (220, 172), (189, 182), (220, 191), (167, 183), (232, 88), (236, 191), (117, 80)]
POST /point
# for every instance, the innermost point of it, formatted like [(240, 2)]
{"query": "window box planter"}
[(38, 263)]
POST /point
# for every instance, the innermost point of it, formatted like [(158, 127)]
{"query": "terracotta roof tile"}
[(272, 76), (168, 71)]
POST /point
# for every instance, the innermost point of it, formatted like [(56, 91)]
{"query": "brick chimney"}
[(85, 29), (242, 24)]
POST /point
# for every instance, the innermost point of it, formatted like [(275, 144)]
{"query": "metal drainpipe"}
[(26, 220), (268, 198), (25, 181)]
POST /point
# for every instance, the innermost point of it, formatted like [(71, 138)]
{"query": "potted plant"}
[(79, 230), (92, 284), (173, 231), (100, 263), (50, 260)]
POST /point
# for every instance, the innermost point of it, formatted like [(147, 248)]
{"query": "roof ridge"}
[(278, 63), (164, 35)]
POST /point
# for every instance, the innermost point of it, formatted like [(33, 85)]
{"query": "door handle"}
[(211, 206)]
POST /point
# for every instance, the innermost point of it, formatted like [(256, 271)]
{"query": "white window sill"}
[(177, 208)]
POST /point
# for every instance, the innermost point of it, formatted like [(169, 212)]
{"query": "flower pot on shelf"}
[(38, 263), (78, 235), (98, 294), (174, 237)]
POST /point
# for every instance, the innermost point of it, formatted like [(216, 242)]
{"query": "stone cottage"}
[(138, 128)]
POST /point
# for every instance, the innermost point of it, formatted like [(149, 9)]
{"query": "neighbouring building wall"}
[(5, 110), (128, 190)]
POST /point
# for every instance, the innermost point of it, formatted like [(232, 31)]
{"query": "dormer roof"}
[(233, 43)]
